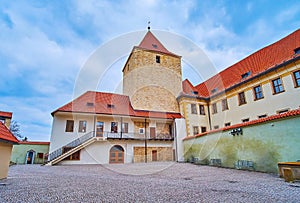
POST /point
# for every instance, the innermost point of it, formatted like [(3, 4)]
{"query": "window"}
[(194, 108), (297, 78), (69, 126), (40, 155), (277, 86), (297, 50), (258, 92), (282, 111), (216, 127), (262, 116), (89, 104), (224, 105), (141, 131), (114, 127), (245, 75), (227, 124), (125, 127), (245, 120), (203, 129), (195, 92), (157, 59), (82, 127), (195, 130), (214, 90), (111, 106), (201, 109), (242, 98), (214, 108)]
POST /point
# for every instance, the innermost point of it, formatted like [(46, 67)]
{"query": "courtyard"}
[(151, 182)]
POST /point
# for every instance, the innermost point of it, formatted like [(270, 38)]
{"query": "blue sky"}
[(44, 44)]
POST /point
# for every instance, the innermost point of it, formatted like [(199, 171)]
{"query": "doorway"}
[(154, 155), (30, 157), (99, 129), (152, 133), (116, 155)]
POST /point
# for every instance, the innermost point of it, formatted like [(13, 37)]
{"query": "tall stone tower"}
[(152, 76)]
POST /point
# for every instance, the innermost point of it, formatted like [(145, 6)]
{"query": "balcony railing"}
[(137, 136)]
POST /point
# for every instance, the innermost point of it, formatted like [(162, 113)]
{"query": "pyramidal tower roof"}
[(150, 42)]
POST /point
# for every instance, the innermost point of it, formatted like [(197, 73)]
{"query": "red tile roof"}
[(150, 42), (257, 63), (6, 114), (6, 135), (34, 143), (110, 104), (292, 113)]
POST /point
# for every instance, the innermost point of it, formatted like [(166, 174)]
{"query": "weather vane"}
[(148, 25)]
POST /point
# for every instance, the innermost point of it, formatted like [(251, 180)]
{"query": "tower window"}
[(157, 59)]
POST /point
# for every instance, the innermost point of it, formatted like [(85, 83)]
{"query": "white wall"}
[(180, 134)]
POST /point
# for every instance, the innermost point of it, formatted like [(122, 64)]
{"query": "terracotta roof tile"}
[(6, 135), (292, 113), (110, 104), (150, 42), (256, 63), (6, 114)]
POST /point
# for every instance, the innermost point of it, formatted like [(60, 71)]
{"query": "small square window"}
[(227, 124), (157, 59), (203, 129), (216, 127), (245, 120)]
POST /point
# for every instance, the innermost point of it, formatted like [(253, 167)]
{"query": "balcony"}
[(137, 136)]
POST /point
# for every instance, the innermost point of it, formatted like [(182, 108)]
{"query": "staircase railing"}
[(74, 143)]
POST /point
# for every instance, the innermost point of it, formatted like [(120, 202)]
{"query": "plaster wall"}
[(265, 144), (5, 153)]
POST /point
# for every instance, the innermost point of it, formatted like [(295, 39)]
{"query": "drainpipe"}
[(145, 142), (121, 127), (209, 119), (176, 144)]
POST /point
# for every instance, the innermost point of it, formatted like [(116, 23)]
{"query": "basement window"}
[(245, 75), (245, 120), (282, 111), (157, 59), (111, 106), (262, 116)]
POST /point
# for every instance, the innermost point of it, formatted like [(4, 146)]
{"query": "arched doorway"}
[(30, 157), (116, 155)]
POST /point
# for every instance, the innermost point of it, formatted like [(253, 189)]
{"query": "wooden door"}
[(152, 133), (116, 155), (99, 129), (154, 155)]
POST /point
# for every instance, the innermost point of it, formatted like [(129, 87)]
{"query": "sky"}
[(45, 44)]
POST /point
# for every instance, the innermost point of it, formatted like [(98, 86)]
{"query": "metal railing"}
[(74, 143), (138, 136)]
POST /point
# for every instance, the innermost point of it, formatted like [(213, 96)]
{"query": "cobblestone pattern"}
[(161, 182)]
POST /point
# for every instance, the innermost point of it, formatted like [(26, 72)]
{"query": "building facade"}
[(157, 109), (7, 140)]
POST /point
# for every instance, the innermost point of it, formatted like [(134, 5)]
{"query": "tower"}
[(152, 76)]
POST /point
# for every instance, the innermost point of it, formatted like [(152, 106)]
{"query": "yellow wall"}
[(5, 153)]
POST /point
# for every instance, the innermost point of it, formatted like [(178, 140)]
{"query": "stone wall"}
[(163, 154), (150, 85)]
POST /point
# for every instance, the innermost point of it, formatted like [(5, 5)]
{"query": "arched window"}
[(116, 154)]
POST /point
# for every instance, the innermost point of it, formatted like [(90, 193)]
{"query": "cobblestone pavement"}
[(161, 182)]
